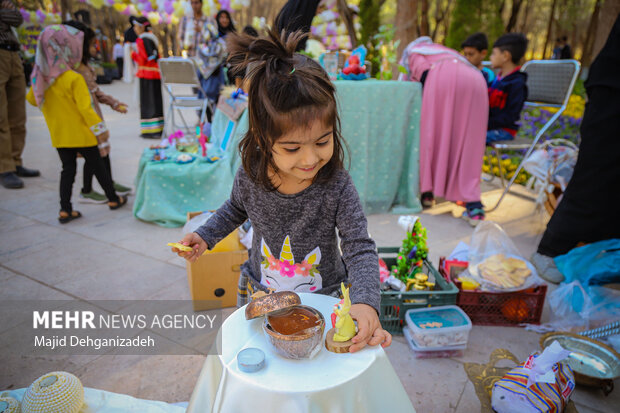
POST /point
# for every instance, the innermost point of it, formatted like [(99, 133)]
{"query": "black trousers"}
[(119, 66), (91, 155), (588, 210), (89, 172)]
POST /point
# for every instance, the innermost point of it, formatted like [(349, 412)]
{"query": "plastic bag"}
[(593, 264), (578, 305), (491, 249), (196, 222)]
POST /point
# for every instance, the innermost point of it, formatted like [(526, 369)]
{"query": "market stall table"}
[(379, 122), (345, 383)]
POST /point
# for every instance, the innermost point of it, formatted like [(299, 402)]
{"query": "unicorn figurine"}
[(341, 319)]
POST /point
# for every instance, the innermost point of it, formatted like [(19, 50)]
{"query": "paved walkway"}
[(111, 255)]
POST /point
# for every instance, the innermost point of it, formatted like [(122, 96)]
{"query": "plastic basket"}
[(500, 309), (394, 304)]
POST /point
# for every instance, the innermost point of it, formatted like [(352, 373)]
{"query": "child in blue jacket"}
[(508, 91)]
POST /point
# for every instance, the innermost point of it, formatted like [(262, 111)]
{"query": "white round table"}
[(344, 383)]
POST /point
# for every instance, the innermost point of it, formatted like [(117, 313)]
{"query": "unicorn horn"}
[(286, 254)]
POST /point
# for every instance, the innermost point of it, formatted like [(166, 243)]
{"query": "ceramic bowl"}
[(302, 345)]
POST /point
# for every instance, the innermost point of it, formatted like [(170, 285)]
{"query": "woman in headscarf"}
[(146, 57), (63, 97), (453, 124)]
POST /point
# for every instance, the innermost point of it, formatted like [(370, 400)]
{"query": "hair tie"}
[(292, 71)]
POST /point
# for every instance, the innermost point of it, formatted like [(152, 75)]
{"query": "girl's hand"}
[(120, 107), (199, 246), (369, 330)]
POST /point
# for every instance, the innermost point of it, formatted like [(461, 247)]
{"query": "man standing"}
[(12, 101), (195, 30), (118, 54)]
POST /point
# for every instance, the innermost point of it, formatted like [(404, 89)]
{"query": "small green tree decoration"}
[(411, 254)]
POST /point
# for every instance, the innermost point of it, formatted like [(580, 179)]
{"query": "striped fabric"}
[(542, 397), (9, 16), (155, 125)]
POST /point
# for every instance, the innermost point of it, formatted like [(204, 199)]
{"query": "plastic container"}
[(439, 352), (438, 326), (394, 304)]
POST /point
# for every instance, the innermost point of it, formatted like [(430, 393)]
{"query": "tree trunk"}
[(549, 27), (586, 57), (66, 6), (514, 15), (424, 27), (526, 15), (347, 16), (406, 13)]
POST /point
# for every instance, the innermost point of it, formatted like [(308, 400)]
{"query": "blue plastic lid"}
[(250, 360), (434, 318)]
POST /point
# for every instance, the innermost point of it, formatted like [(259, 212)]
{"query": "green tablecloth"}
[(380, 123)]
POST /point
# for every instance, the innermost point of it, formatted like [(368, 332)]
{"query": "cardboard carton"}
[(213, 278)]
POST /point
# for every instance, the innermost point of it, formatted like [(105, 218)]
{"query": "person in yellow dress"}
[(64, 99)]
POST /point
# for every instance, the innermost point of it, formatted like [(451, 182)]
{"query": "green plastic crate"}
[(394, 304)]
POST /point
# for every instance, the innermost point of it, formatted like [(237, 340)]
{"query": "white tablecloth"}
[(341, 383)]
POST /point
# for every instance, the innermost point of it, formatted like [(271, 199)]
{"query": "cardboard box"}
[(213, 278)]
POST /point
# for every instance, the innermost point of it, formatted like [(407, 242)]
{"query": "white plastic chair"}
[(178, 72), (550, 84)]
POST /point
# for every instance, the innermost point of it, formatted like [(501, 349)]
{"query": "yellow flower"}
[(486, 168), (495, 170)]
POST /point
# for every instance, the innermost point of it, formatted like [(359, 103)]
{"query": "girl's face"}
[(223, 20), (92, 48), (301, 153)]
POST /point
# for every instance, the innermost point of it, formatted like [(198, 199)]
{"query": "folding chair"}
[(177, 71), (550, 84)]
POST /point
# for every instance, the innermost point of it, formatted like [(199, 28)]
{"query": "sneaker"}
[(547, 270), (92, 197), (473, 216), (121, 189), (428, 200), (11, 181)]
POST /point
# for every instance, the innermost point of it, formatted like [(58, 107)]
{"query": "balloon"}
[(111, 3), (119, 7), (40, 16), (25, 14), (225, 5), (96, 3), (154, 17), (168, 7)]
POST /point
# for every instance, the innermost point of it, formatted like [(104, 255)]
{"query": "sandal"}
[(122, 200), (64, 216), (428, 200), (473, 216)]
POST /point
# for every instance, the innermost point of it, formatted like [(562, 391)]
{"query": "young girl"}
[(88, 194), (64, 99), (146, 57), (294, 188)]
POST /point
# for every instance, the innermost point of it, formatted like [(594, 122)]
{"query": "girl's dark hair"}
[(89, 35), (286, 91)]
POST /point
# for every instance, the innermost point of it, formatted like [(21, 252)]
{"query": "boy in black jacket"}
[(508, 91)]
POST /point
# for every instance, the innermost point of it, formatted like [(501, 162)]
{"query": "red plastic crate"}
[(500, 309)]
